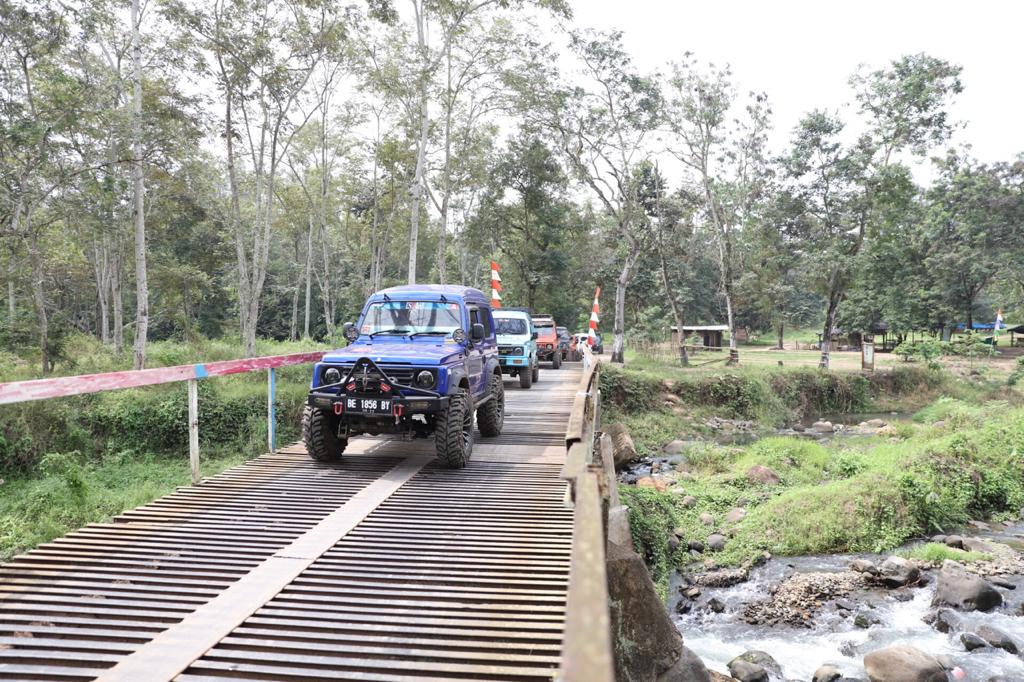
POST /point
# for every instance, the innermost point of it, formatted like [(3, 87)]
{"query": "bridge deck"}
[(382, 567)]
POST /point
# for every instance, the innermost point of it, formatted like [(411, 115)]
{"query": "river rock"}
[(647, 642), (649, 482), (980, 525), (747, 672), (948, 620), (997, 638), (623, 449), (973, 642), (938, 539), (716, 542), (676, 447), (716, 605), (874, 423), (735, 515), (977, 545), (903, 663), (898, 572), (965, 591), (864, 620), (864, 566), (722, 577), (690, 501), (826, 673), (758, 658), (687, 668), (762, 475), (822, 427), (955, 541), (707, 519), (695, 546)]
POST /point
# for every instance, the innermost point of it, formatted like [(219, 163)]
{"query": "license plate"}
[(367, 405)]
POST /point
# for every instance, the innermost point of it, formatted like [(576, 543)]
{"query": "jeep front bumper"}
[(371, 405)]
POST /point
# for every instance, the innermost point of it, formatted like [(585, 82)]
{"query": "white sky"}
[(801, 52)]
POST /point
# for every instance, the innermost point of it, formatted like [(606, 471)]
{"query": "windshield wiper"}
[(390, 331), (430, 333)]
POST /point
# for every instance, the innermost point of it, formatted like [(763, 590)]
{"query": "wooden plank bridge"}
[(384, 566)]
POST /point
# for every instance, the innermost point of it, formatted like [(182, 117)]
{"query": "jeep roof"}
[(431, 292)]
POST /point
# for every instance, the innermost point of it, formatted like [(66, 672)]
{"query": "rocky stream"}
[(881, 618)]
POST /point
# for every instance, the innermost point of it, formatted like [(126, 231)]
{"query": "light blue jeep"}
[(517, 345)]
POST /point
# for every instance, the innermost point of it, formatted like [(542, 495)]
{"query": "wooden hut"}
[(711, 336)]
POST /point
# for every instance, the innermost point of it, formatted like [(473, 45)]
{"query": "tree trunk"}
[(621, 283), (830, 323), (117, 294), (141, 284), (39, 295), (416, 190), (309, 278), (416, 193), (782, 328), (677, 313)]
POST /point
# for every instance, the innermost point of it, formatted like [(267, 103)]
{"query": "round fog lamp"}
[(332, 375), (425, 379)]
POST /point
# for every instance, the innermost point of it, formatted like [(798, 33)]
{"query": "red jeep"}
[(547, 340)]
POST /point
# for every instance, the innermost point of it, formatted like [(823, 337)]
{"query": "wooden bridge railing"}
[(590, 477), (59, 387)]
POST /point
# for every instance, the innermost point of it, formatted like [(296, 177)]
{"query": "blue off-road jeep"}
[(517, 345), (420, 361)]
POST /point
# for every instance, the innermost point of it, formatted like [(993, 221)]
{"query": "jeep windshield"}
[(510, 326), (411, 318)]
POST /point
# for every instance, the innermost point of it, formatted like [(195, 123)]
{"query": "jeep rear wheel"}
[(320, 433), (525, 377), (453, 433), (491, 415)]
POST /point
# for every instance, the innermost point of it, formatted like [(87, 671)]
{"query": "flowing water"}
[(719, 637)]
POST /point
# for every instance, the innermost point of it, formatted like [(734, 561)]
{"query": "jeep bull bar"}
[(380, 396)]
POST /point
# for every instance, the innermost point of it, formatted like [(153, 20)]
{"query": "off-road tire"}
[(536, 372), (320, 433), (453, 431), (556, 360), (525, 378), (490, 417)]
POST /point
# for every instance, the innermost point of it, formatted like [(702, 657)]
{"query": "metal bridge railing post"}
[(193, 429), (271, 410)]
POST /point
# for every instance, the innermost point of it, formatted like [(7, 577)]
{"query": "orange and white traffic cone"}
[(495, 285), (594, 319)]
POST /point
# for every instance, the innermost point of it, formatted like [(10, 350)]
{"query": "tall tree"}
[(845, 188), (730, 165), (138, 196), (602, 126)]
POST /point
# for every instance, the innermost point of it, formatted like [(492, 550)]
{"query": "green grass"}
[(867, 494), (69, 491), (71, 461), (936, 553)]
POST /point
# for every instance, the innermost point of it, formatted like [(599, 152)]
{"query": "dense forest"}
[(175, 169)]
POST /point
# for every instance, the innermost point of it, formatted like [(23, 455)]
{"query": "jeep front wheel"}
[(556, 360), (453, 434), (536, 372), (320, 433), (525, 377), (491, 415)]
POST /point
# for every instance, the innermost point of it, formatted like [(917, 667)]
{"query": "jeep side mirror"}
[(350, 332), (533, 336), (478, 333)]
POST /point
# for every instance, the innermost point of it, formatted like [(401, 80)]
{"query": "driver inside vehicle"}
[(412, 317)]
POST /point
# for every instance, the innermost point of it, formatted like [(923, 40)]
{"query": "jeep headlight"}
[(425, 379), (332, 375), (550, 346), (519, 351)]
